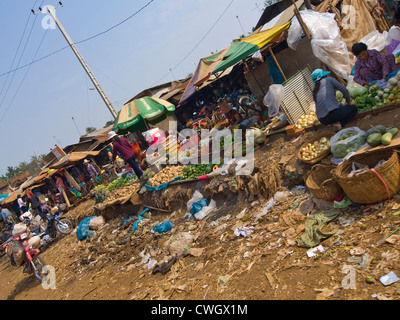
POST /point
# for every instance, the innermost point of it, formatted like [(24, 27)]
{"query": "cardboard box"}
[(292, 131)]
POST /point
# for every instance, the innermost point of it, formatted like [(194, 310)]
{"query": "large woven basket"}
[(322, 183), (316, 137), (375, 185)]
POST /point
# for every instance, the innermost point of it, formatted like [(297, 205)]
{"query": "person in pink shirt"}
[(123, 147), (371, 65)]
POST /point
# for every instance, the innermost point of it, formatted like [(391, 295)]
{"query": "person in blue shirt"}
[(328, 110)]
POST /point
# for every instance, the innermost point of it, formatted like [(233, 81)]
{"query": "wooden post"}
[(72, 180), (277, 63), (302, 24)]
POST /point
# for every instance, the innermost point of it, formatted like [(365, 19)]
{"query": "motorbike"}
[(21, 253)]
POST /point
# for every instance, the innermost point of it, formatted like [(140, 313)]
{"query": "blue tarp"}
[(4, 196)]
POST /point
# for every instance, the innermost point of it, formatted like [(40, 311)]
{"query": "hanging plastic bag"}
[(376, 40), (273, 99), (346, 141), (258, 56)]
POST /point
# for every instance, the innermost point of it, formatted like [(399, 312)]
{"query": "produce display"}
[(375, 96), (102, 195), (196, 170), (307, 120), (381, 135), (167, 174), (311, 151)]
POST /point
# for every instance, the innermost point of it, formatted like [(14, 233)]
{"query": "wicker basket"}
[(322, 183), (372, 186), (316, 137)]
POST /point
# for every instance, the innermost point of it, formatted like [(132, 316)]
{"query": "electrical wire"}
[(23, 79), (20, 58), (79, 42), (195, 47), (16, 52)]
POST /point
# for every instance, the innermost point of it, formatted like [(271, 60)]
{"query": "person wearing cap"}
[(371, 65), (232, 115), (123, 147), (328, 110)]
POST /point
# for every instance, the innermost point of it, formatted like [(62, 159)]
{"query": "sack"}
[(35, 242), (18, 229), (342, 148), (96, 223), (16, 253)]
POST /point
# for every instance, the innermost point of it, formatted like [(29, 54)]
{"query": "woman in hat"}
[(328, 109), (371, 65), (232, 115), (124, 148)]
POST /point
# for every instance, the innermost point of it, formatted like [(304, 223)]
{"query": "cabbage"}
[(357, 91), (339, 96), (393, 81)]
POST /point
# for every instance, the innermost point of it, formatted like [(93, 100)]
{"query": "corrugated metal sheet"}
[(291, 62), (298, 95)]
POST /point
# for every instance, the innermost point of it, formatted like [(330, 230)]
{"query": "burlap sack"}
[(97, 223), (35, 242)]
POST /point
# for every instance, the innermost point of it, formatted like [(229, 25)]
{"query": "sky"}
[(46, 98)]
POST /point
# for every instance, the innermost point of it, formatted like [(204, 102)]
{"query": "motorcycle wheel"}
[(37, 267), (65, 226)]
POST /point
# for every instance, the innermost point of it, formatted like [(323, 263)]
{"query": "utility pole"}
[(51, 11)]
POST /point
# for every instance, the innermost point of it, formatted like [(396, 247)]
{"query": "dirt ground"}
[(216, 264)]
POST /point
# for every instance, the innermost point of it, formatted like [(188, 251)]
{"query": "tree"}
[(90, 129)]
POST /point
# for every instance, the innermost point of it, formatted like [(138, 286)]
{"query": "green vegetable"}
[(374, 139), (386, 138), (381, 129)]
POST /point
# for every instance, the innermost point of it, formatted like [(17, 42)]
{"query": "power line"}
[(19, 61), (23, 79), (16, 52), (78, 42), (195, 47)]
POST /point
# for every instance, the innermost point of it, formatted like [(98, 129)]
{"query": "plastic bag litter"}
[(199, 207), (162, 227), (83, 232)]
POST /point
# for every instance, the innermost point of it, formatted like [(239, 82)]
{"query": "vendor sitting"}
[(371, 65), (232, 115)]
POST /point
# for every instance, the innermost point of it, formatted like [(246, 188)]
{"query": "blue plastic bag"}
[(197, 206), (136, 224), (83, 232), (163, 227)]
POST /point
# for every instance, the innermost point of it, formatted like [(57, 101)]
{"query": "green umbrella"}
[(135, 114)]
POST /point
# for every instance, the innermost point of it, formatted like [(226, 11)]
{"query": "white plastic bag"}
[(341, 148), (327, 42), (376, 40), (258, 56), (273, 99)]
